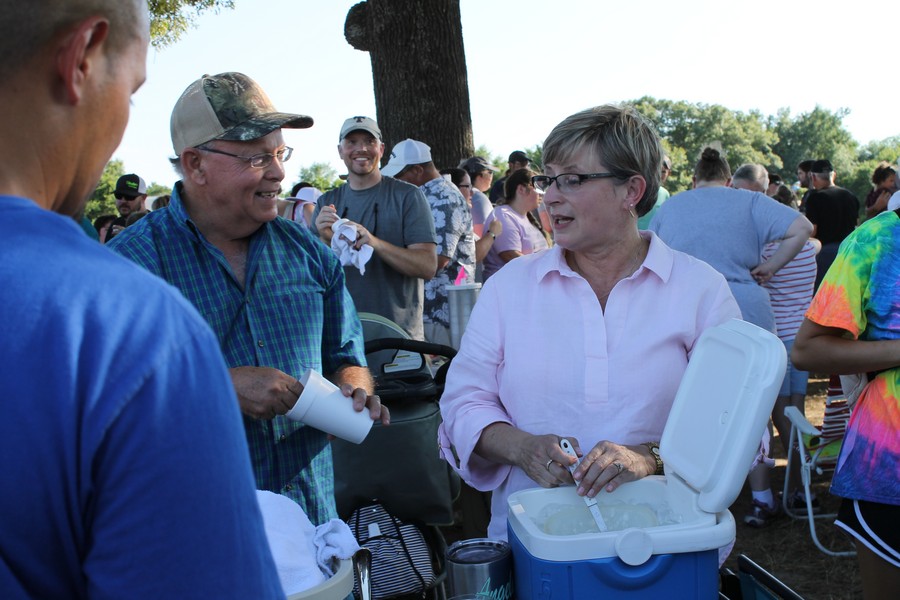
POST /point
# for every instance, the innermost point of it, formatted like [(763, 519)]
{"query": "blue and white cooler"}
[(664, 531)]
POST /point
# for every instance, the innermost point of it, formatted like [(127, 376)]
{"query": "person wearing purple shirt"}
[(522, 232)]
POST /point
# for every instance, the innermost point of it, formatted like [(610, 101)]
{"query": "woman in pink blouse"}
[(587, 340)]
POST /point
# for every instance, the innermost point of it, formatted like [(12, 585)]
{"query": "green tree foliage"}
[(169, 19), (819, 133), (887, 149), (495, 159), (101, 201), (688, 128), (157, 189), (320, 175)]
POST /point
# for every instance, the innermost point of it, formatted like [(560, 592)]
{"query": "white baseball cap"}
[(405, 153)]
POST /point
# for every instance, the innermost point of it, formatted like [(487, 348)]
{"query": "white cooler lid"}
[(721, 410)]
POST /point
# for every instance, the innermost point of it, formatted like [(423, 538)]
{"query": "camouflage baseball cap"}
[(227, 106)]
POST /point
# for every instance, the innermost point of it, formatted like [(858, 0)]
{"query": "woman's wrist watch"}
[(653, 447)]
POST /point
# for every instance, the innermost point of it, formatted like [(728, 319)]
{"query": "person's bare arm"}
[(357, 383), (508, 255), (833, 350), (415, 260), (793, 241), (483, 245), (502, 443), (880, 204)]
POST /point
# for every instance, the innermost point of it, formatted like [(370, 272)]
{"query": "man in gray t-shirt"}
[(391, 216)]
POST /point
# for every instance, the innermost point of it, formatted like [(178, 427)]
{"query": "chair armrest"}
[(799, 421)]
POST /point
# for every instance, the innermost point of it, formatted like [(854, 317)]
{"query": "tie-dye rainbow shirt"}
[(861, 294)]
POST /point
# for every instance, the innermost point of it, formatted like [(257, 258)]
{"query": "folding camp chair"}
[(818, 450)]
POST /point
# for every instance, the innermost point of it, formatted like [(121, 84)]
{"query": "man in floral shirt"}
[(411, 162)]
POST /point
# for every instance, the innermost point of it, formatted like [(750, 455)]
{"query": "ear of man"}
[(81, 51), (192, 165)]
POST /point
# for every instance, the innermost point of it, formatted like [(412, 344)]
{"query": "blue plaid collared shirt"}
[(293, 313)]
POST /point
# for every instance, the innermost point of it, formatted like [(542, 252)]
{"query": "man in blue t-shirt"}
[(111, 487)]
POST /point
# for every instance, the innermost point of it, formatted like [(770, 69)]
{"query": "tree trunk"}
[(419, 73)]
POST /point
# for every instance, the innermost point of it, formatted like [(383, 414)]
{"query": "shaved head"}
[(28, 25)]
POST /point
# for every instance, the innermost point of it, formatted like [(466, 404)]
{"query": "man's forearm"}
[(358, 377), (418, 260)]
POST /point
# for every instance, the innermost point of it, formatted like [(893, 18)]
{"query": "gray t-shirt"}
[(397, 213), (727, 228)]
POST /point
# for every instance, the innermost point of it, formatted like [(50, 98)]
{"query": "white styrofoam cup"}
[(322, 405)]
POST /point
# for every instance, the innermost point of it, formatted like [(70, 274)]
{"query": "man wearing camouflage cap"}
[(273, 294)]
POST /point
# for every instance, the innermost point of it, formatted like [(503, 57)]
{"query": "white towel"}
[(342, 244), (334, 540), (292, 541)]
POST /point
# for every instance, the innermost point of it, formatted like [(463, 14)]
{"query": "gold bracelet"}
[(653, 447)]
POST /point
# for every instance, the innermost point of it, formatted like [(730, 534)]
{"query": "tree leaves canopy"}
[(169, 19)]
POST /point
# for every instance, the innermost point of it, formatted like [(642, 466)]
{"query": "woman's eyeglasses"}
[(566, 182)]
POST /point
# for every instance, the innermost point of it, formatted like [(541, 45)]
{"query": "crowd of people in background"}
[(270, 287)]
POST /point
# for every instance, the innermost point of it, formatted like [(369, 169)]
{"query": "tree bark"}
[(419, 73)]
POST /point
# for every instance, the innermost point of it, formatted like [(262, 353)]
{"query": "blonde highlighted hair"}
[(620, 137)]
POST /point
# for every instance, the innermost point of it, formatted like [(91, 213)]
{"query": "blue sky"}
[(531, 63)]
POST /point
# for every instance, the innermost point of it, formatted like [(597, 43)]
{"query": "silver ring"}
[(549, 462), (619, 467)]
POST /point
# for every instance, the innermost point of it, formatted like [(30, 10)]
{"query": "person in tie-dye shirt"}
[(853, 326)]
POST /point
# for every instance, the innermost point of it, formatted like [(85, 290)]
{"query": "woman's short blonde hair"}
[(619, 137)]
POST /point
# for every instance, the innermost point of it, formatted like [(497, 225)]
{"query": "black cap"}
[(131, 185), (477, 164), (823, 165), (519, 157)]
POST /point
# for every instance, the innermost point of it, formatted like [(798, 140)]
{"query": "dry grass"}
[(785, 547)]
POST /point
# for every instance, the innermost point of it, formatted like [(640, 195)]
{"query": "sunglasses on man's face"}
[(123, 197)]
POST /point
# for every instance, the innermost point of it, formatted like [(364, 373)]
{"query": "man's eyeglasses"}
[(257, 161), (566, 182), (124, 197)]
